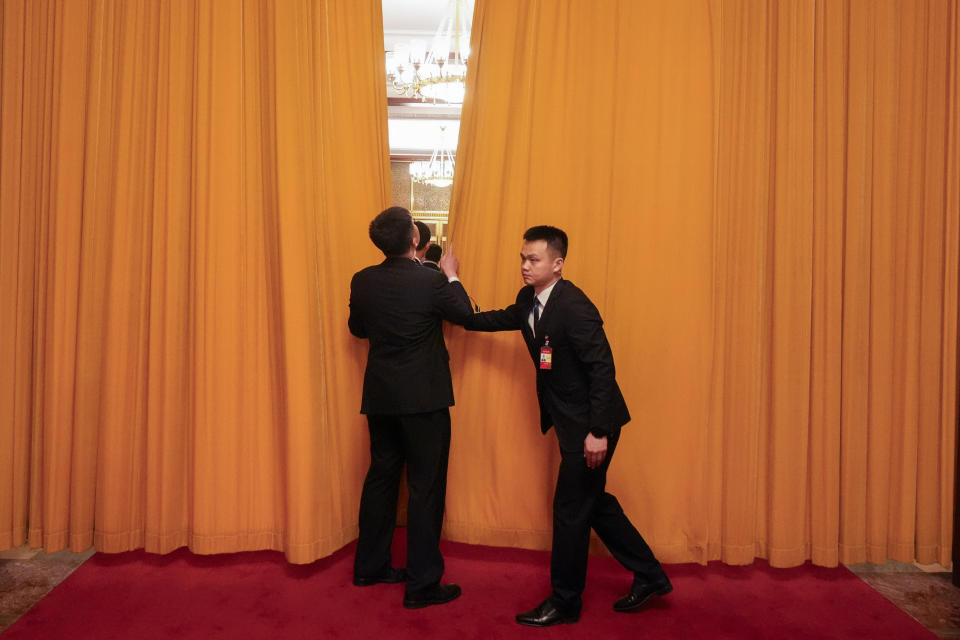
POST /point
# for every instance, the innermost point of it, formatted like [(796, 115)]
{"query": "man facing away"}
[(399, 307), (424, 241), (431, 257), (579, 396)]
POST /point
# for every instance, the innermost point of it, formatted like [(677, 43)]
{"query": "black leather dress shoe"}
[(640, 593), (437, 594), (392, 576), (546, 615)]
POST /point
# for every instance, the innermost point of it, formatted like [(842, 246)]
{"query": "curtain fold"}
[(177, 182), (762, 200)]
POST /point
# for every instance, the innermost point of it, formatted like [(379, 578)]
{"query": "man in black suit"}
[(424, 242), (579, 396), (407, 391), (431, 258)]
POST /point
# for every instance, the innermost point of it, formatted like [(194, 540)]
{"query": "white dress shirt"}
[(542, 297)]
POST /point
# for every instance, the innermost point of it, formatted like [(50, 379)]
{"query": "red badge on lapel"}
[(546, 354)]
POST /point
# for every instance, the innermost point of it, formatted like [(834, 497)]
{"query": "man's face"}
[(539, 265)]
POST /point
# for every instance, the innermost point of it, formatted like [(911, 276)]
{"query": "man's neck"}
[(538, 290)]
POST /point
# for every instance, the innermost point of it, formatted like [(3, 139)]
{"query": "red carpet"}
[(259, 595)]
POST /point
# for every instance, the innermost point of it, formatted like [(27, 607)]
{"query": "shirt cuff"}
[(453, 279)]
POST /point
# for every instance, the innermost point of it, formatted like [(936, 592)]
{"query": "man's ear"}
[(557, 265)]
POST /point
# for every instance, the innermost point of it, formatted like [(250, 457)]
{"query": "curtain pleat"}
[(762, 200), (185, 193)]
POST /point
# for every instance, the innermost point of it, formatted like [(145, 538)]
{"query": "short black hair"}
[(392, 231), (424, 234), (433, 253), (556, 238)]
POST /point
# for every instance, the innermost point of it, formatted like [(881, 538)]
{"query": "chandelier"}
[(438, 170), (437, 73)]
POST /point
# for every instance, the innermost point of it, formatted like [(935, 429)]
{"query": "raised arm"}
[(500, 320), (452, 301), (497, 320)]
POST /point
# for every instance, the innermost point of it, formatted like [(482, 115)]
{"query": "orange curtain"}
[(177, 182), (763, 200)]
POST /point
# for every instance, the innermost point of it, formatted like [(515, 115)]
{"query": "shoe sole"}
[(635, 607), (369, 582), (420, 604), (561, 621)]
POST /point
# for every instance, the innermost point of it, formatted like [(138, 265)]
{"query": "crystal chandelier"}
[(438, 73), (438, 170)]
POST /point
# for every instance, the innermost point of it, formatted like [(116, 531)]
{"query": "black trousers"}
[(422, 442), (581, 503)]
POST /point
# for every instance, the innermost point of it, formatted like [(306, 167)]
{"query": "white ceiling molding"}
[(419, 137), (411, 18)]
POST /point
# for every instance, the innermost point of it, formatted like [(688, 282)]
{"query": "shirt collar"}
[(545, 294)]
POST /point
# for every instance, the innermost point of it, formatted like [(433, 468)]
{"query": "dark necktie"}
[(536, 314)]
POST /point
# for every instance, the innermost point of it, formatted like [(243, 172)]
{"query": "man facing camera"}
[(399, 307), (579, 396)]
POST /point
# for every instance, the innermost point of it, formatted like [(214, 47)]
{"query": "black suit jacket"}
[(400, 307), (579, 393)]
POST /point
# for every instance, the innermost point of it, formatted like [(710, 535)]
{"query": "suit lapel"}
[(534, 342), (525, 305), (553, 302)]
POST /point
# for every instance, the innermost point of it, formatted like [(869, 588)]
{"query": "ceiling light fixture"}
[(437, 73)]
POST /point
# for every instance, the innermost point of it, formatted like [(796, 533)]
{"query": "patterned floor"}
[(923, 591)]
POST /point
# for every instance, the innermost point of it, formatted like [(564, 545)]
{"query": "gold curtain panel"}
[(177, 179), (762, 199)]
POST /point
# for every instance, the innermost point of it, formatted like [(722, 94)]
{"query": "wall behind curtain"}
[(177, 182), (762, 199)]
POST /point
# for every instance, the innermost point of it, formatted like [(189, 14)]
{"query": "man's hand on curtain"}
[(449, 263)]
